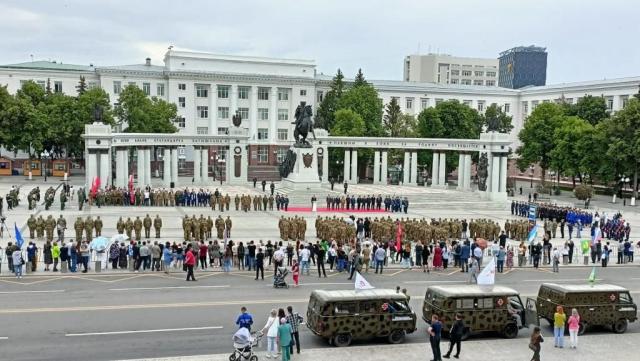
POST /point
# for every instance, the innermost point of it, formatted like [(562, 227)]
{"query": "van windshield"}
[(625, 298)]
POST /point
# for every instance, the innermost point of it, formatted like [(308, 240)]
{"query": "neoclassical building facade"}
[(208, 89)]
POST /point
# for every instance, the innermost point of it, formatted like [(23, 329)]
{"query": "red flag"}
[(94, 187), (399, 236), (131, 195)]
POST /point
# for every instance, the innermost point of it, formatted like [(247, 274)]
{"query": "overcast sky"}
[(586, 39)]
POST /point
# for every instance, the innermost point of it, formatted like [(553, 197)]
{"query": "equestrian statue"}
[(303, 126)]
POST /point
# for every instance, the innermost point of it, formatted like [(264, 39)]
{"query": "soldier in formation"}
[(63, 200), (147, 222), (292, 228), (157, 225), (31, 223), (78, 226), (33, 198), (82, 198), (40, 223), (194, 229), (97, 224), (49, 196), (330, 228), (137, 227), (61, 226), (12, 197)]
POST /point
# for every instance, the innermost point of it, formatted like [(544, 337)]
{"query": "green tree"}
[(359, 80), (495, 115), (364, 101), (536, 136), (392, 119), (326, 110), (570, 139), (348, 123), (82, 85), (590, 108), (23, 120), (142, 114), (448, 119)]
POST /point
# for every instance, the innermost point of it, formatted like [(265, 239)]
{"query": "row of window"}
[(424, 103), (624, 100), (224, 112), (490, 74), (146, 88), (474, 82), (263, 133), (57, 85), (224, 91)]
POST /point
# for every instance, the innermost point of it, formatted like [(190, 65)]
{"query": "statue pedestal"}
[(305, 171)]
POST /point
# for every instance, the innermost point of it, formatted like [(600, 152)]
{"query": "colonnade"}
[(143, 166)]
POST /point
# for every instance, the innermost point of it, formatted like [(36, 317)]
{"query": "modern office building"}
[(208, 89), (447, 69), (523, 66)]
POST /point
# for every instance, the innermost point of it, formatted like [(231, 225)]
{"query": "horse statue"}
[(286, 167), (303, 126)]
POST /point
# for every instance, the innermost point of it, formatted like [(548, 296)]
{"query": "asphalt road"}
[(125, 316)]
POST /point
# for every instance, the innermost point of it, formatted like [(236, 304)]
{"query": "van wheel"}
[(396, 336), (582, 327), (510, 331), (253, 358), (466, 333), (342, 340), (620, 326)]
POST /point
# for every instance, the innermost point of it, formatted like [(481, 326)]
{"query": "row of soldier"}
[(43, 228), (12, 198), (292, 228), (200, 229), (131, 227), (328, 228)]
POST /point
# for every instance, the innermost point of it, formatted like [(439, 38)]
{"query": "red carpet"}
[(324, 209)]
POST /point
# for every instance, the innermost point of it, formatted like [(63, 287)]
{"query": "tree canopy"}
[(590, 108), (327, 108), (537, 136), (494, 115), (142, 114)]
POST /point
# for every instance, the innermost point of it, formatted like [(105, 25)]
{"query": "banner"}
[(584, 246), (532, 212), (488, 275), (361, 283), (533, 233)]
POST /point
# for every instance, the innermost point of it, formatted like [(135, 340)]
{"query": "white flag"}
[(361, 283), (488, 274)]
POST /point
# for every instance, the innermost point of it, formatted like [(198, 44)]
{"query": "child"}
[(510, 258), (295, 270)]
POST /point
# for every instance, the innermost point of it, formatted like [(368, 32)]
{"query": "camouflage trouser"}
[(147, 232), (138, 234), (32, 233), (157, 232), (220, 233), (98, 232), (186, 236)]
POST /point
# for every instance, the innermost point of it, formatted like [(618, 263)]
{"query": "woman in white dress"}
[(271, 328)]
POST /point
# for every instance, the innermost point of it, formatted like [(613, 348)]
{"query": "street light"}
[(624, 180), (531, 168), (45, 155)]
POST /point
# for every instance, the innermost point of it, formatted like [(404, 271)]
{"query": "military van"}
[(344, 316), (483, 309), (598, 305)]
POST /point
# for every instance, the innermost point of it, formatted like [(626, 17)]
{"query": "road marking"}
[(395, 273), (18, 292), (420, 282), (560, 280), (164, 288), (146, 306), (143, 331), (4, 338), (327, 283)]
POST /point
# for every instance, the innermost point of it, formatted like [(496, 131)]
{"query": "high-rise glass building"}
[(522, 66)]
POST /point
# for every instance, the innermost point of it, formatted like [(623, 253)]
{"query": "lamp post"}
[(531, 168), (45, 155)]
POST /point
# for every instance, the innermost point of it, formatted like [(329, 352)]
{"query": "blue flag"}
[(532, 234), (19, 239)]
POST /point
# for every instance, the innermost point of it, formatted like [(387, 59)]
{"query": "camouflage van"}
[(344, 316), (598, 305), (483, 309)]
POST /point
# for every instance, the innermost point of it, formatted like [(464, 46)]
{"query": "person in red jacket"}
[(203, 255), (190, 262)]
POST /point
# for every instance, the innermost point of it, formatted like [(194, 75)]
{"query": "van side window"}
[(326, 310), (345, 308), (399, 305), (464, 303), (484, 303), (625, 298), (369, 307)]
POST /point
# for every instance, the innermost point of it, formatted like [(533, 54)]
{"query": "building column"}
[(273, 115), (105, 169), (442, 176), (495, 173), (376, 167), (91, 167), (174, 166), (405, 168), (354, 166), (147, 165), (166, 162), (234, 100), (383, 168), (119, 175), (461, 169), (503, 174), (325, 165), (414, 168), (213, 109), (125, 167), (253, 113), (196, 166), (140, 167), (204, 165), (466, 180), (347, 165), (434, 169)]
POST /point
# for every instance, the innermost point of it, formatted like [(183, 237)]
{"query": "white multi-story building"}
[(208, 89), (447, 69)]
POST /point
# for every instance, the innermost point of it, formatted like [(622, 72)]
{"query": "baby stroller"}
[(243, 343), (278, 279)]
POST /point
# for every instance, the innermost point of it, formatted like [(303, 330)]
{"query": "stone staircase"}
[(263, 172)]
